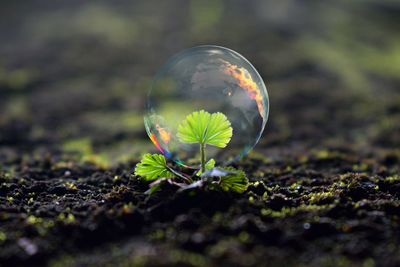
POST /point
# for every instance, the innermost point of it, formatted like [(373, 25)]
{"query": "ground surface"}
[(325, 177)]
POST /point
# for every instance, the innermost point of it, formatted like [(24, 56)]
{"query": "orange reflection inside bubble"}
[(246, 82), (164, 134)]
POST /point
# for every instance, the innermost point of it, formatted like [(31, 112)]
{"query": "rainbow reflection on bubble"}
[(152, 132)]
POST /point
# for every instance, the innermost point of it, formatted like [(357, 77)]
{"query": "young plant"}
[(202, 128)]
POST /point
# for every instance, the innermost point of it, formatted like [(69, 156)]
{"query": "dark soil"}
[(325, 177)]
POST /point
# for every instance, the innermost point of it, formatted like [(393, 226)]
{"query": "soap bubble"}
[(214, 79)]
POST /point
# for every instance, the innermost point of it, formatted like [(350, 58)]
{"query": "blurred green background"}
[(73, 74)]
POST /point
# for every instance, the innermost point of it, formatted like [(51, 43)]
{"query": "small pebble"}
[(28, 246)]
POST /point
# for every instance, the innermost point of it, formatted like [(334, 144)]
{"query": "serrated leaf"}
[(153, 167), (235, 181), (209, 165), (205, 128)]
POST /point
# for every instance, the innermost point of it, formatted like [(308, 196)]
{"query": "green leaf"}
[(235, 181), (209, 165), (205, 128), (152, 167)]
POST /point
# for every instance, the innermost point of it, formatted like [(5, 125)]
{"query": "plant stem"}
[(203, 157), (181, 175)]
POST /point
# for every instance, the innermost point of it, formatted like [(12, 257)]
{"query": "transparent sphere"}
[(213, 79)]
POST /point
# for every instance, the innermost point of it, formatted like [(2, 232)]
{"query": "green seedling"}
[(204, 129)]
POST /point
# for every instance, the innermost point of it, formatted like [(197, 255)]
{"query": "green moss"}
[(383, 61), (83, 146), (114, 120), (294, 186), (63, 261), (5, 176), (70, 185), (184, 257), (34, 220), (251, 199), (17, 79), (40, 224), (128, 208), (291, 211), (369, 262), (67, 218), (327, 154), (3, 236), (16, 107), (157, 235), (321, 198), (360, 167), (243, 237), (393, 179), (333, 261)]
